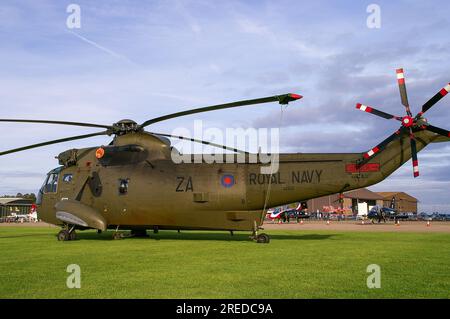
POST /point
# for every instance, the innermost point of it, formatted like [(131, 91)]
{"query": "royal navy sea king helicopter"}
[(133, 184)]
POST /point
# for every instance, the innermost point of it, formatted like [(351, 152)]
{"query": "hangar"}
[(403, 203), (355, 202), (19, 206)]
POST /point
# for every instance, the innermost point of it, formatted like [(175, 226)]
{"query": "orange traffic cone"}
[(397, 223), (428, 224), (362, 222), (328, 222), (301, 221)]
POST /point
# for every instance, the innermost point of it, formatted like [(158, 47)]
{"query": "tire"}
[(73, 235), (63, 235), (263, 239)]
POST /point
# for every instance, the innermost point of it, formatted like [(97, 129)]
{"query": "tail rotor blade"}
[(436, 98), (369, 109), (370, 154), (402, 87), (415, 161), (438, 130)]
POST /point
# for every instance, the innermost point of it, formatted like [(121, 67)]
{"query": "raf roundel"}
[(227, 181)]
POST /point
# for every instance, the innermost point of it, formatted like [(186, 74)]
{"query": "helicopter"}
[(133, 184)]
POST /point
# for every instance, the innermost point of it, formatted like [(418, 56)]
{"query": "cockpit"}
[(50, 185)]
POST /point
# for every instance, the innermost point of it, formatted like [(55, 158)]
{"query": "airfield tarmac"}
[(405, 226)]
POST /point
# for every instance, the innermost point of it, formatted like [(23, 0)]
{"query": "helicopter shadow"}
[(207, 236)]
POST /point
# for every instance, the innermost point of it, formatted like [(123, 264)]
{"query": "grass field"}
[(296, 264)]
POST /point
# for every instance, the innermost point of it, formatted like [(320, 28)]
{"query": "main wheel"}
[(64, 235), (73, 235), (263, 238)]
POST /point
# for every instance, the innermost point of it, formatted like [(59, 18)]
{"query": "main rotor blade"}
[(200, 141), (57, 122), (79, 137), (402, 87), (438, 130), (370, 154), (415, 161), (436, 98), (282, 99), (369, 109)]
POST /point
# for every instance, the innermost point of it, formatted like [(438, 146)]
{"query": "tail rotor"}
[(409, 124)]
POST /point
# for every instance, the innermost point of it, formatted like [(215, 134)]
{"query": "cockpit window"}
[(52, 183)]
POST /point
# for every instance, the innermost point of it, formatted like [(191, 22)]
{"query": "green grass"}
[(296, 264)]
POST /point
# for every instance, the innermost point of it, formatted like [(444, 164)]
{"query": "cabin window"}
[(123, 186), (67, 178), (52, 183)]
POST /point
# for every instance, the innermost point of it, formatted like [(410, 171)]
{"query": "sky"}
[(139, 60)]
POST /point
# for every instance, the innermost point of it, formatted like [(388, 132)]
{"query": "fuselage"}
[(229, 196)]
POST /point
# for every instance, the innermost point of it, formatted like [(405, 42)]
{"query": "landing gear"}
[(73, 235), (263, 239), (117, 235), (67, 234), (259, 238), (63, 235)]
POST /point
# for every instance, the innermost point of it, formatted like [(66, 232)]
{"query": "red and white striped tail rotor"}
[(409, 123), (402, 88), (416, 168), (400, 76), (372, 152)]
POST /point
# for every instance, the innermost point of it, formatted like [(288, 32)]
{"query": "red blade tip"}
[(295, 96)]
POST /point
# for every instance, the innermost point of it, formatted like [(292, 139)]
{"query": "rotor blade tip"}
[(295, 96)]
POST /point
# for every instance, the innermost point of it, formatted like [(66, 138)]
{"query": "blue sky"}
[(140, 60)]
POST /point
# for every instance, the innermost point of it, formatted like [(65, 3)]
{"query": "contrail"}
[(98, 46)]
